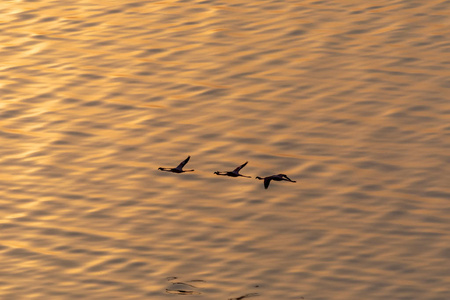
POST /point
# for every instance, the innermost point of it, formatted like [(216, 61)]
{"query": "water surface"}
[(349, 98)]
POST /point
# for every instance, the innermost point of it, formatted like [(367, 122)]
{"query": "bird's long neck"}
[(260, 178)]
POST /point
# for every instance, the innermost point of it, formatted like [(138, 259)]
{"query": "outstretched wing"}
[(267, 182), (240, 167), (183, 163)]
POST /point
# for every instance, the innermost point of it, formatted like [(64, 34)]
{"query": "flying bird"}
[(179, 168), (279, 177), (234, 173)]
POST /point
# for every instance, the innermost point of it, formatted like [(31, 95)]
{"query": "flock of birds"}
[(234, 173)]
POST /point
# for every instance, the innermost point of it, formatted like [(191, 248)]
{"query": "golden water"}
[(349, 98)]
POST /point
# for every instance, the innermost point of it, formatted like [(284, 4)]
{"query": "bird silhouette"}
[(234, 173), (179, 168), (278, 177)]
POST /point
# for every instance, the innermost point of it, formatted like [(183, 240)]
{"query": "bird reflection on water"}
[(182, 288), (245, 296)]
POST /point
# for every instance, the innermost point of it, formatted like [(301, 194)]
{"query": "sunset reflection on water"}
[(349, 99)]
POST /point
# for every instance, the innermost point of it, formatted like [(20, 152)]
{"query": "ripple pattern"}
[(349, 98)]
